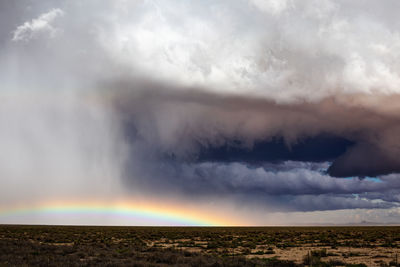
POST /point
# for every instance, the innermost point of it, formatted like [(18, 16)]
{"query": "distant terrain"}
[(23, 245)]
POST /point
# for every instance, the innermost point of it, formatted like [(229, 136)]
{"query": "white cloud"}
[(284, 50), (42, 24), (271, 6)]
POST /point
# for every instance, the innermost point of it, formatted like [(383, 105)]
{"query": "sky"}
[(229, 112)]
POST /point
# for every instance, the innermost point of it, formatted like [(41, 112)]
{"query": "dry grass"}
[(198, 246)]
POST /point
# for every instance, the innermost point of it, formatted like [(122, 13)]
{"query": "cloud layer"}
[(145, 94)]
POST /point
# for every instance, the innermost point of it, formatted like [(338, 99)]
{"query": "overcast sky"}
[(253, 107)]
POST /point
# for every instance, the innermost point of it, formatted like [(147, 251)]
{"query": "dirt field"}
[(199, 246)]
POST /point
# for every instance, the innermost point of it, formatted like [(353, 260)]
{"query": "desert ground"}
[(24, 245)]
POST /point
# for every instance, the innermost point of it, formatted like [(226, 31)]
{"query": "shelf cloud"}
[(280, 105)]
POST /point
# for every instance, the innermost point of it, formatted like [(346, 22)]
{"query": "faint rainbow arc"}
[(130, 211)]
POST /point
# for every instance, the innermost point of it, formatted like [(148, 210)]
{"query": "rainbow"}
[(128, 213)]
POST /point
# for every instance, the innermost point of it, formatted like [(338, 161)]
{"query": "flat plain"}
[(25, 245)]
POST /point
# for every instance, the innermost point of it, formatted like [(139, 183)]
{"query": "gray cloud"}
[(150, 84), (289, 189), (179, 122), (323, 202)]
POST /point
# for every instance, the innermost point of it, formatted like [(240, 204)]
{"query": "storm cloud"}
[(286, 104), (357, 133)]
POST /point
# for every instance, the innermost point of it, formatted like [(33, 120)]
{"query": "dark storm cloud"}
[(324, 202), (366, 159), (288, 185), (319, 148), (258, 101), (261, 180), (201, 144), (357, 133)]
